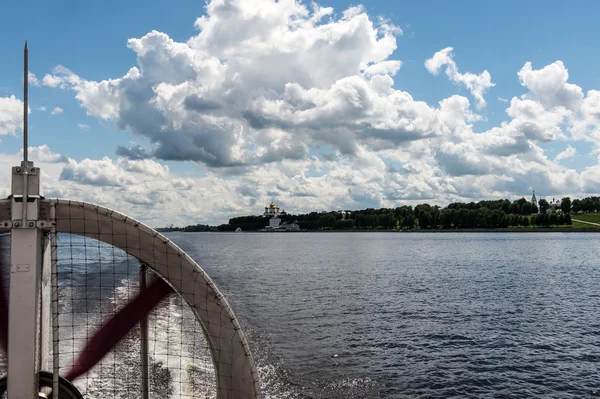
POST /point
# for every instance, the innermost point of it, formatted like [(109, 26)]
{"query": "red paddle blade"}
[(118, 327)]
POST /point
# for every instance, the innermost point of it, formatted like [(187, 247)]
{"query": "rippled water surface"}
[(394, 315)]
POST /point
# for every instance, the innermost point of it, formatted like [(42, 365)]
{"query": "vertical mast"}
[(25, 273), (25, 102)]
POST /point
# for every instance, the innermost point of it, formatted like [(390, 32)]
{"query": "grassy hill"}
[(588, 217)]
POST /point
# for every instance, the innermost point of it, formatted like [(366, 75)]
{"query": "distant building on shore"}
[(554, 205), (273, 211), (274, 222)]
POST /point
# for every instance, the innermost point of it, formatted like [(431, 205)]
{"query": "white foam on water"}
[(272, 386), (180, 363)]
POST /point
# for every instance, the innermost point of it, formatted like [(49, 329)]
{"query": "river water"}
[(360, 315), (394, 315)]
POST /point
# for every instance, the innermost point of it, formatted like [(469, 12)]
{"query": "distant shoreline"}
[(499, 230)]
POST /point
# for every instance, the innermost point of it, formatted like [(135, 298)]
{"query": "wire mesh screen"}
[(132, 316), (95, 281)]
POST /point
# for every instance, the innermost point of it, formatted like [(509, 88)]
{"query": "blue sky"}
[(90, 39)]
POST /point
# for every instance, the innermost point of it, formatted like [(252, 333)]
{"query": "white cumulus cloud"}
[(43, 154), (569, 152), (476, 84), (549, 86), (51, 81), (11, 115), (33, 80)]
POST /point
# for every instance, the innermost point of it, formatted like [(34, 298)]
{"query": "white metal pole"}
[(25, 273), (23, 317)]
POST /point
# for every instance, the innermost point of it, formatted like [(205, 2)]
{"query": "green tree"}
[(424, 219), (447, 217), (346, 224), (408, 221), (521, 201), (327, 221), (576, 205), (359, 221), (544, 206), (568, 219), (515, 208), (472, 219), (370, 221), (505, 206), (540, 219), (565, 205), (587, 204), (435, 216), (496, 218), (484, 218), (460, 218), (385, 221), (514, 220), (421, 208)]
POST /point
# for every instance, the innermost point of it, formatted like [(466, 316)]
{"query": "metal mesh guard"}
[(198, 301)]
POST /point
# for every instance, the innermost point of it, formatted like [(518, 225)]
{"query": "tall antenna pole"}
[(24, 321), (25, 102)]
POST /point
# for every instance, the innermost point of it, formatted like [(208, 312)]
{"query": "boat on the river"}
[(284, 228), (275, 226)]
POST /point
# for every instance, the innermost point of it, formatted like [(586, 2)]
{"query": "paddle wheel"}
[(94, 304)]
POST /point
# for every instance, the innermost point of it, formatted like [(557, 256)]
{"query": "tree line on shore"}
[(473, 215), (188, 229)]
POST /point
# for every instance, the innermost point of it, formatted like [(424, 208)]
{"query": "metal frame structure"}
[(33, 306)]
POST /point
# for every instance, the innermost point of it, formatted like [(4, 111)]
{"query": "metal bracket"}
[(45, 224), (32, 171), (30, 224), (32, 180)]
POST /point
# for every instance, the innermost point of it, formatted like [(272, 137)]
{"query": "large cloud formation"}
[(293, 102), (260, 83)]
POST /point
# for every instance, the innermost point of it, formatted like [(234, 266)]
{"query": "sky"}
[(195, 112)]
